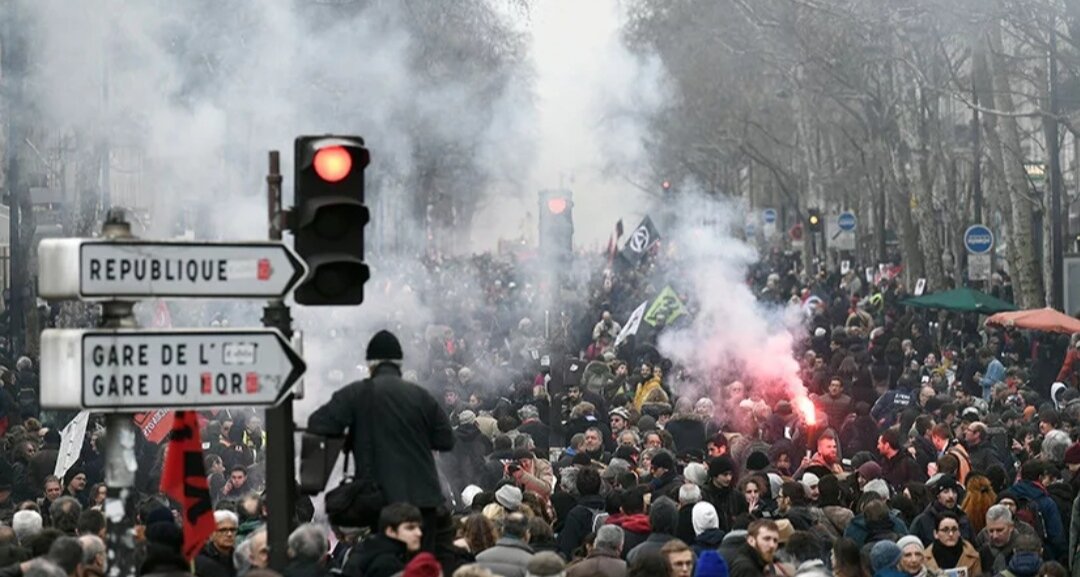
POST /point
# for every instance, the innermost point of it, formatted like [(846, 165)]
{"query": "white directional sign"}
[(128, 370), (89, 269)]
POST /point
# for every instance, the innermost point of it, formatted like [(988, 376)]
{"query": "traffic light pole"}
[(280, 462)]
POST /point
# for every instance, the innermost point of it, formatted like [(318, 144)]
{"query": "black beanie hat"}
[(757, 461), (384, 346), (720, 465)]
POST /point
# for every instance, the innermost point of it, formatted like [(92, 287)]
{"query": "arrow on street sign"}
[(126, 370), (91, 269)]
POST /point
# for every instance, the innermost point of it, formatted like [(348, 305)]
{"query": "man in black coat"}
[(579, 521), (750, 559), (471, 449), (398, 424)]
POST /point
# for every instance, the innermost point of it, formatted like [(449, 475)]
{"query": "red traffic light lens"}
[(333, 164), (666, 184), (556, 205)]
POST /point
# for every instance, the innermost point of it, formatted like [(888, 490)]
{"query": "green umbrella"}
[(962, 299)]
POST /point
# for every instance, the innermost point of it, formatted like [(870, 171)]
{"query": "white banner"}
[(632, 324), (71, 443)]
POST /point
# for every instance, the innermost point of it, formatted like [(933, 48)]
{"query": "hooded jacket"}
[(1056, 542), (379, 556), (708, 540), (470, 452), (635, 528), (579, 523), (688, 431)]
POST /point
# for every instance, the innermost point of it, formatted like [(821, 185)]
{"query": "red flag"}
[(184, 480)]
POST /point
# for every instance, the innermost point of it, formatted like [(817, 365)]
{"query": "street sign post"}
[(979, 242), (100, 270), (125, 370), (842, 231), (768, 219)]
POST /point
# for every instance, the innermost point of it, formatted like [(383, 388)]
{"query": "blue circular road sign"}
[(846, 221), (769, 215), (978, 239)]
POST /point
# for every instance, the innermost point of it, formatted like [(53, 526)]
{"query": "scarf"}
[(948, 557)]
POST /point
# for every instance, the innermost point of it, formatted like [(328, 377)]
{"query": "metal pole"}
[(1057, 252), (13, 61), (280, 462), (120, 431), (976, 153)]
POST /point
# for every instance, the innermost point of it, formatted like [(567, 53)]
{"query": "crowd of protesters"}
[(527, 434)]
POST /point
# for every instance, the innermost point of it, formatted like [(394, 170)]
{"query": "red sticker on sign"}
[(252, 382), (207, 383), (264, 269)]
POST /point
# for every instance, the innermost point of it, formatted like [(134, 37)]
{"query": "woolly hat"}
[(1055, 394), (775, 483), (384, 346), (870, 470), (509, 496), (877, 486), (423, 565), (884, 555), (469, 493), (663, 460), (757, 461), (73, 472), (545, 564), (720, 465), (946, 482), (810, 480), (907, 540), (466, 417), (696, 473), (711, 564), (704, 517), (646, 424), (1072, 454)]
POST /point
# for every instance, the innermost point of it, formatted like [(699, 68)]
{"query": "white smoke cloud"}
[(732, 335)]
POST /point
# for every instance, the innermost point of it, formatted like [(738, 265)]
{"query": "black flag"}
[(640, 241)]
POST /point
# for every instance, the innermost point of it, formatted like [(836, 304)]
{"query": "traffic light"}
[(813, 219), (557, 223), (329, 218)]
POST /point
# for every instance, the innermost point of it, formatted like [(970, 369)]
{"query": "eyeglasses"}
[(949, 530), (227, 530)]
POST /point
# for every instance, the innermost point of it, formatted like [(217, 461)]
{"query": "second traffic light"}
[(557, 224), (329, 218), (813, 220)]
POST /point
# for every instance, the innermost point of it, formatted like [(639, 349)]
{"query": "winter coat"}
[(599, 563), (507, 558), (579, 523), (1056, 542), (727, 501), (688, 431), (900, 470), (1074, 538), (305, 569), (858, 531), (968, 559), (378, 556), (744, 561), (406, 423), (839, 517), (837, 408), (983, 456), (212, 562), (708, 540), (470, 452), (541, 436), (996, 559), (649, 391), (636, 529), (925, 524), (653, 544)]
